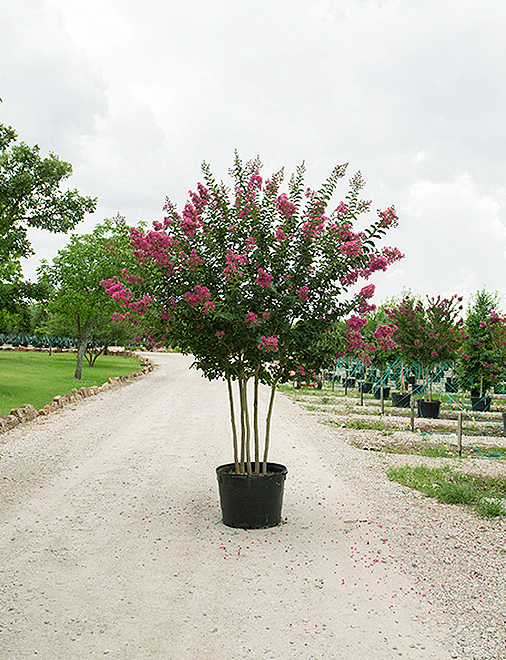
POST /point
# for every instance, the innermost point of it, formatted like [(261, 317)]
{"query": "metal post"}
[(362, 393), (382, 401), (459, 434), (412, 413)]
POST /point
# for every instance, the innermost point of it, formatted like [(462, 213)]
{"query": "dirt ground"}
[(112, 545)]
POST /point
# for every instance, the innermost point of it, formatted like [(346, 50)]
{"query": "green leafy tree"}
[(17, 296), (78, 302), (31, 196), (478, 349)]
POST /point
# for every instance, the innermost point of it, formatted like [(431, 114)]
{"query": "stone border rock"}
[(27, 412)]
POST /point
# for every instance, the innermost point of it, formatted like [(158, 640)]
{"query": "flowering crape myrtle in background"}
[(430, 334), (249, 280)]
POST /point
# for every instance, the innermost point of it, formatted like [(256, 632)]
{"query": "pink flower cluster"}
[(384, 337), (381, 261), (356, 323), (251, 319), (352, 248), (234, 261), (285, 207), (341, 210), (194, 261), (388, 217), (269, 344), (200, 296), (152, 245), (303, 293), (363, 296), (280, 235), (123, 296), (263, 278)]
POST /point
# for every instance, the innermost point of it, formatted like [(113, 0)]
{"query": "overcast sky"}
[(411, 92)]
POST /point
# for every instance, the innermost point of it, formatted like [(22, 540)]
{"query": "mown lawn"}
[(36, 378)]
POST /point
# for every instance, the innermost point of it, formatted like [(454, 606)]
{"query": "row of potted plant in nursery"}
[(428, 336)]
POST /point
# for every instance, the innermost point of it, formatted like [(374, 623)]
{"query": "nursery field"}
[(35, 378), (430, 460)]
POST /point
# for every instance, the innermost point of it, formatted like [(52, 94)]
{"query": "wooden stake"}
[(412, 413), (459, 434), (382, 401), (362, 394)]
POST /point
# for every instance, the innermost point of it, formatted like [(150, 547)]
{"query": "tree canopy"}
[(30, 195)]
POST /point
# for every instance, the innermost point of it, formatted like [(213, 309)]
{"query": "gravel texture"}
[(112, 544)]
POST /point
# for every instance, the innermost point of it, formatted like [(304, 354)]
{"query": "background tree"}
[(429, 334), (17, 297), (478, 347), (78, 302), (30, 195)]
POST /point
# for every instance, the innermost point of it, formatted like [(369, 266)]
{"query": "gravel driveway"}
[(112, 546)]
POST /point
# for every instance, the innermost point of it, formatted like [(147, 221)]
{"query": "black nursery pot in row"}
[(401, 400), (377, 393), (481, 403), (429, 409)]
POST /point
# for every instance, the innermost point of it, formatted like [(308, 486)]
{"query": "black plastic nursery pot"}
[(251, 501), (429, 409), (377, 393), (504, 422), (481, 403), (401, 400), (366, 387)]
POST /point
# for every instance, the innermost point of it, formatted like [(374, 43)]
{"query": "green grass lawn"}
[(38, 377), (486, 494)]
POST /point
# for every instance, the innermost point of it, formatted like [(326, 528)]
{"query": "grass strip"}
[(36, 378), (487, 495)]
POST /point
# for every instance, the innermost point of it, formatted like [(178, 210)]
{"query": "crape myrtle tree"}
[(249, 280), (78, 302), (428, 334)]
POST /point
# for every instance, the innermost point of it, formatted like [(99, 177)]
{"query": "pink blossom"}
[(388, 217), (356, 323), (233, 262), (263, 279), (199, 295), (269, 344), (352, 248), (280, 235), (188, 227), (303, 293), (220, 334), (251, 319), (384, 337), (266, 316), (194, 261), (285, 207), (341, 210)]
